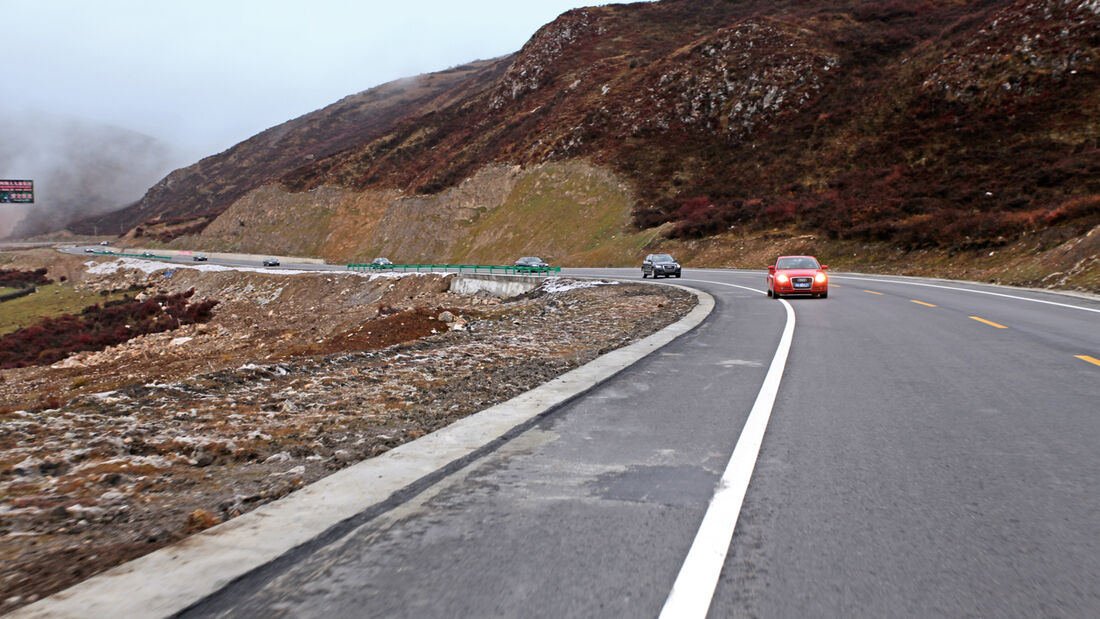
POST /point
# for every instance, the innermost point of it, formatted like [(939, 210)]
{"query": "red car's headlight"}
[(782, 278), (819, 278)]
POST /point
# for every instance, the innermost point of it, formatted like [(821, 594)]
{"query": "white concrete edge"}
[(171, 579)]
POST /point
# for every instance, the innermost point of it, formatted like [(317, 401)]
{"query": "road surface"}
[(931, 451)]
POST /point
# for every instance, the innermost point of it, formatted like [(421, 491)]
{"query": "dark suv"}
[(658, 265)]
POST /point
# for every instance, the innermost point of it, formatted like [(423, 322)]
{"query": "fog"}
[(79, 168), (202, 76)]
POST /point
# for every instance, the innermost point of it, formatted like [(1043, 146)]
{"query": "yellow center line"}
[(873, 292), (921, 303), (988, 322), (1092, 360)]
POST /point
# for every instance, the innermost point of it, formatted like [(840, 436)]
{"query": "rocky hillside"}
[(189, 198), (917, 124)]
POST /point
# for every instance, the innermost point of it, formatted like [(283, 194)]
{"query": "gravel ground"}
[(108, 455)]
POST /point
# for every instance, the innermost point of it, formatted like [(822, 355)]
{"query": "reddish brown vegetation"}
[(97, 327), (14, 278)]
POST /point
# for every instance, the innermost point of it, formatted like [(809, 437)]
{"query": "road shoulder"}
[(172, 579)]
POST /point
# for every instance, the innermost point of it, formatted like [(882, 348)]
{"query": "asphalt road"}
[(187, 259), (919, 460)]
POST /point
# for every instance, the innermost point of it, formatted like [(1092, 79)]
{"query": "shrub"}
[(14, 278), (52, 339), (1074, 208)]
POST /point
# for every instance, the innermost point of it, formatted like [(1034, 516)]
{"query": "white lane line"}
[(693, 590), (995, 294)]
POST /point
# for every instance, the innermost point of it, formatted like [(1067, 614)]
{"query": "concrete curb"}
[(172, 579)]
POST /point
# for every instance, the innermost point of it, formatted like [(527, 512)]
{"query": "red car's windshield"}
[(800, 262)]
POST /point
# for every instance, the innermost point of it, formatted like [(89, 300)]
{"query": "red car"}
[(797, 275)]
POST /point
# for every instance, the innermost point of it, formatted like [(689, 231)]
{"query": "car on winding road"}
[(381, 262), (199, 258), (271, 262), (660, 264), (531, 262), (797, 275)]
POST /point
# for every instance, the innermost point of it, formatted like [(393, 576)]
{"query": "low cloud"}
[(80, 168)]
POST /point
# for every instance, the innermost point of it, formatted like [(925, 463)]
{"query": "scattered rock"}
[(282, 456), (199, 520), (150, 439)]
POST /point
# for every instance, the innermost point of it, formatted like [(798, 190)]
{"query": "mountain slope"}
[(918, 123), (196, 194), (914, 123)]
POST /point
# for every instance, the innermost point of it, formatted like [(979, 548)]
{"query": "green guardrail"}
[(453, 268)]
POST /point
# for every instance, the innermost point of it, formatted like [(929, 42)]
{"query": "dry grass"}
[(51, 300)]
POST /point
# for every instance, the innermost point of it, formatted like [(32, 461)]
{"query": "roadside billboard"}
[(16, 191)]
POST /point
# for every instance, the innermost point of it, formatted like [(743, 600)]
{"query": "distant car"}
[(271, 262), (797, 275), (381, 262), (107, 251), (199, 257), (147, 254), (104, 242), (90, 250), (531, 262), (658, 265)]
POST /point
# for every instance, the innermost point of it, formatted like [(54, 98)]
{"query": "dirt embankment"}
[(561, 211), (579, 214), (108, 455)]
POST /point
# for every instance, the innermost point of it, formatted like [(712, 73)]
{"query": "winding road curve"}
[(932, 451), (908, 447)]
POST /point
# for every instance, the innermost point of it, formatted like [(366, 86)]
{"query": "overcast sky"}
[(203, 75)]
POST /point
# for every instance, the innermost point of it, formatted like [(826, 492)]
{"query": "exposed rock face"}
[(534, 65), (741, 77), (1024, 52)]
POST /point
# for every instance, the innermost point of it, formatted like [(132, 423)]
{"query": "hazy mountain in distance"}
[(80, 168)]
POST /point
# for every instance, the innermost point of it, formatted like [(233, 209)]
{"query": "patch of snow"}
[(298, 470), (554, 285), (145, 266), (103, 395)]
